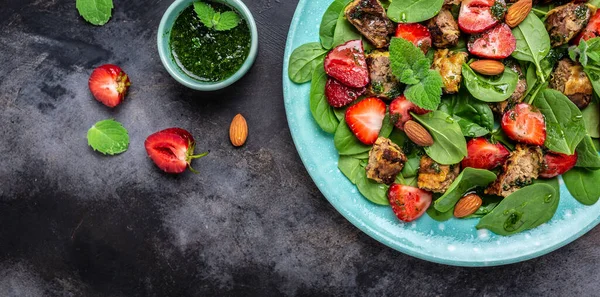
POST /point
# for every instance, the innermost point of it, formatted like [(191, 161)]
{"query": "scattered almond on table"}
[(238, 130)]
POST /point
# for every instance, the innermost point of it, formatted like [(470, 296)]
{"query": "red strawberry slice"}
[(592, 29), (365, 119), (497, 43), (477, 16), (339, 95), (525, 123), (556, 164), (400, 110), (348, 65), (483, 154), (109, 84), (416, 33), (172, 150), (408, 203)]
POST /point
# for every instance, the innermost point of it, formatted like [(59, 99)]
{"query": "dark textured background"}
[(76, 223)]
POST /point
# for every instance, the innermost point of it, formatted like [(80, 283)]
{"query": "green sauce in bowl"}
[(206, 54)]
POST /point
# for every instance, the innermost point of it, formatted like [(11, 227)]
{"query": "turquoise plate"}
[(454, 242)]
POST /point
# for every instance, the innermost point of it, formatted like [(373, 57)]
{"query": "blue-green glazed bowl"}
[(164, 50)]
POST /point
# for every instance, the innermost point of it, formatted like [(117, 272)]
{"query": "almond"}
[(418, 134), (238, 131), (467, 205), (518, 12), (487, 67)]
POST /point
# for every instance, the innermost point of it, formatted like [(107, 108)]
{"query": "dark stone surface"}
[(75, 223)]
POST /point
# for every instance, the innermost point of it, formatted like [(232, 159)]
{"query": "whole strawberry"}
[(109, 84), (172, 150)]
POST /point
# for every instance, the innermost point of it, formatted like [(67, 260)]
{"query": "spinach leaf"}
[(304, 60), (593, 73), (583, 185), (96, 12), (489, 203), (340, 113), (587, 154), (565, 127), (413, 11), (438, 215), (345, 141), (468, 179), (398, 137), (329, 21), (490, 89), (474, 117), (524, 209), (449, 145), (533, 42), (531, 78), (344, 31), (408, 181), (349, 166), (373, 191), (319, 107), (591, 116), (413, 162), (387, 126), (498, 135)]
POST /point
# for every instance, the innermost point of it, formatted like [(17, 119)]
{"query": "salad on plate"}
[(469, 109)]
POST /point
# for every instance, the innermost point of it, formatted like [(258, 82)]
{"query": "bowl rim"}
[(163, 35)]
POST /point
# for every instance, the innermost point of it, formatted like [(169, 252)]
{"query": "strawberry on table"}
[(524, 123), (556, 164), (408, 203), (416, 33), (400, 110), (497, 43), (483, 154), (477, 16), (172, 150), (108, 84), (365, 119), (339, 95), (347, 64)]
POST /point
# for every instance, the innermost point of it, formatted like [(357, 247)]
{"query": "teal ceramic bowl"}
[(164, 34)]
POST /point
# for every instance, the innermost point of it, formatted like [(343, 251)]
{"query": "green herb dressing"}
[(207, 54)]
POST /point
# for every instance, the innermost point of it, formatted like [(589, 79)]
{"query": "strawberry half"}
[(347, 64), (524, 123), (416, 33), (556, 164), (172, 150), (109, 84), (592, 29), (477, 16), (408, 203), (483, 154), (339, 95), (400, 110), (365, 119), (497, 43)]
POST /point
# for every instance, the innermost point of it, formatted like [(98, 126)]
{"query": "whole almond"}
[(467, 205), (487, 67), (238, 131), (518, 12), (419, 135)]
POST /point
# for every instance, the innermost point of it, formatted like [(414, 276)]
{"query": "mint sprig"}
[(96, 12), (411, 67), (108, 137), (213, 19)]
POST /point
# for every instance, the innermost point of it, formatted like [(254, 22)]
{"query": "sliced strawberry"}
[(365, 119), (416, 33), (400, 110), (556, 164), (348, 65), (109, 84), (525, 123), (172, 150), (339, 95), (592, 29), (497, 43), (477, 16), (408, 203), (483, 154)]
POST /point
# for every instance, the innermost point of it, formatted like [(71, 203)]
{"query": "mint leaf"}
[(228, 21), (427, 93), (96, 12), (404, 55), (205, 13), (108, 137)]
